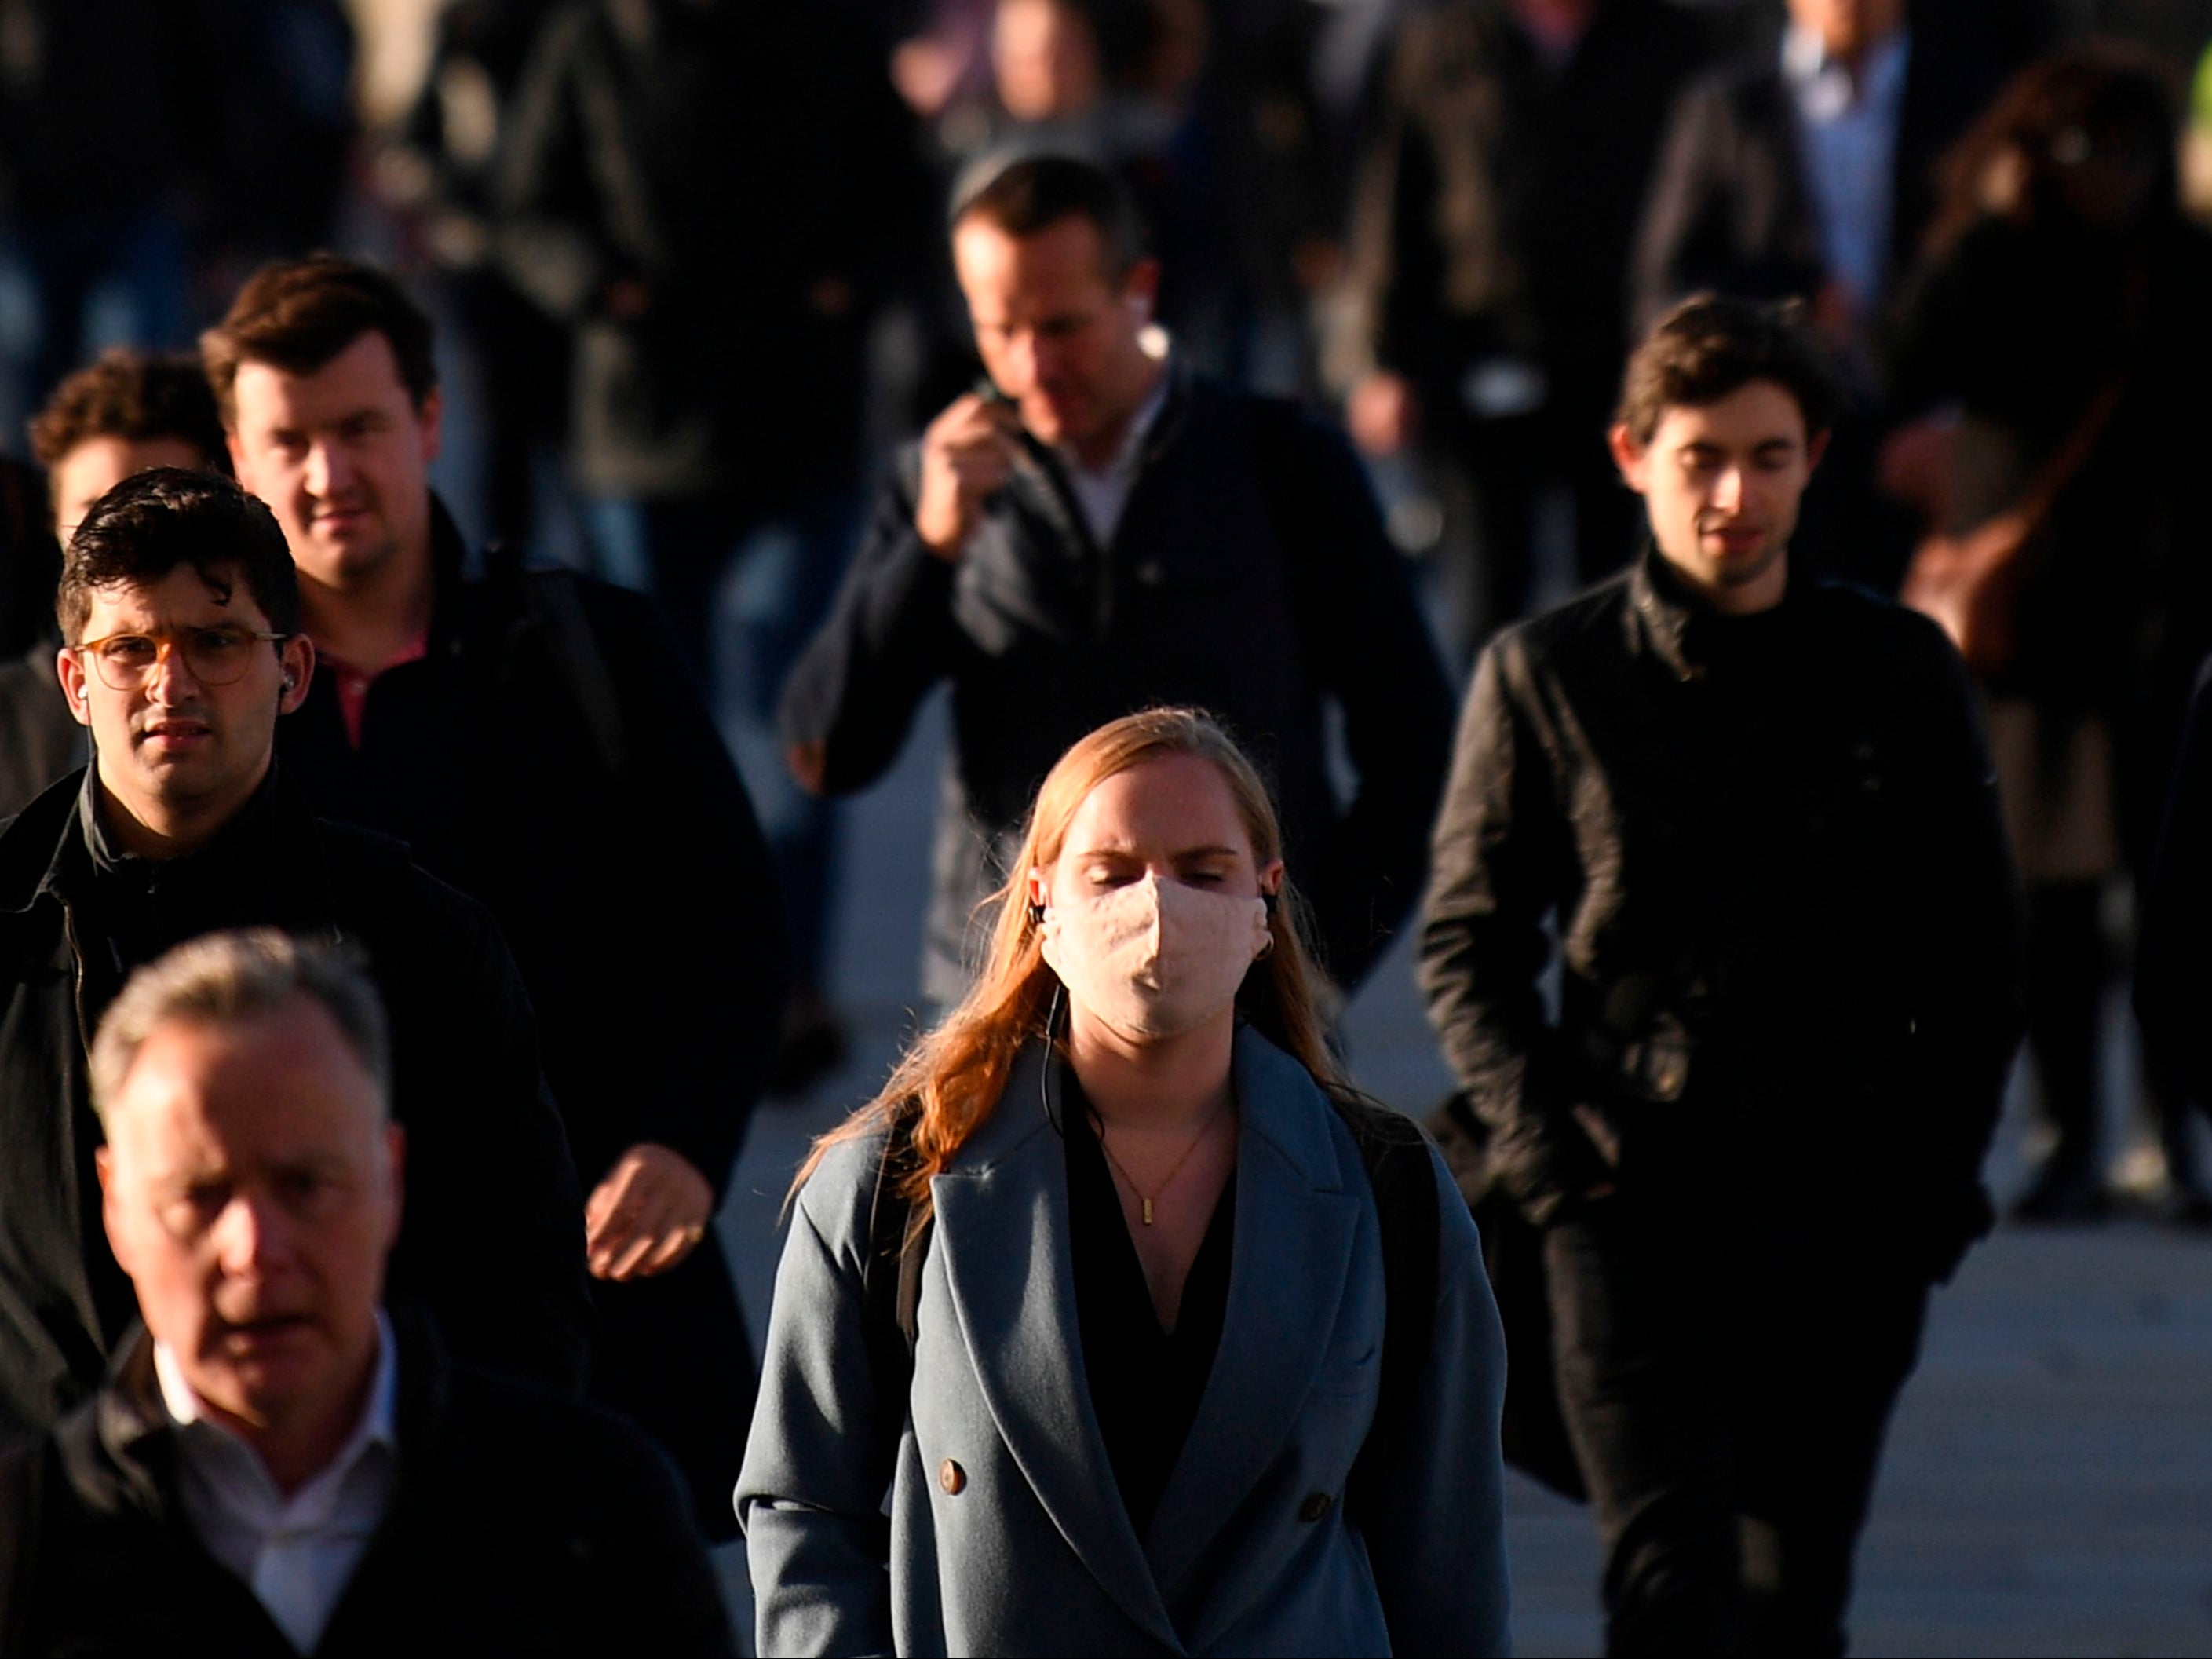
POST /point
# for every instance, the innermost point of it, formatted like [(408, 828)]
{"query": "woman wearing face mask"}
[(1096, 1288)]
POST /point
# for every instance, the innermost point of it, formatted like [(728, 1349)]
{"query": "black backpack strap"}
[(1397, 1159), (22, 1504), (890, 1286)]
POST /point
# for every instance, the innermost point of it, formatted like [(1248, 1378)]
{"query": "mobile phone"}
[(988, 390)]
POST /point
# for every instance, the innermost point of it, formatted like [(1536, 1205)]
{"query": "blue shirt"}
[(1847, 125)]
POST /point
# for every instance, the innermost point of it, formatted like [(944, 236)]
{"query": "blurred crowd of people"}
[(1261, 357)]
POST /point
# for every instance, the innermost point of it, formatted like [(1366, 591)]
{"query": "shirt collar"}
[(379, 1416), (1825, 89), (1132, 441)]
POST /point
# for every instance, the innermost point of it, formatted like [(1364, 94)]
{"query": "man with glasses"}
[(180, 618), (128, 411)]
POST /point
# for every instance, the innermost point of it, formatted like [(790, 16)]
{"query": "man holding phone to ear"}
[(1097, 529)]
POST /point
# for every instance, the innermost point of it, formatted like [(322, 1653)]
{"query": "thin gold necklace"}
[(1147, 1199)]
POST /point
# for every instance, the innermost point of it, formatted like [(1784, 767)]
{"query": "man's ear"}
[(1816, 446), (1633, 459), (432, 414), (298, 656), (110, 1209), (69, 668), (241, 468), (395, 1144), (1141, 288)]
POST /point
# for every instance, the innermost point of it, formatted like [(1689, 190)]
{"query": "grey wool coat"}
[(1026, 1548)]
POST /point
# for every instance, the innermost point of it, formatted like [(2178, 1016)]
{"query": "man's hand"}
[(967, 455), (647, 1215)]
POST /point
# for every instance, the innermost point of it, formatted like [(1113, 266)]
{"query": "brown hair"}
[(2095, 94), (1710, 347), (160, 520), (136, 396), (950, 1081), (1032, 193), (297, 315)]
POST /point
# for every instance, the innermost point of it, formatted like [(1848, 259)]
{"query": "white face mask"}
[(1155, 959)]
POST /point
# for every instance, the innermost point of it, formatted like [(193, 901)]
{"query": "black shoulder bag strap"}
[(890, 1286), (1399, 1169)]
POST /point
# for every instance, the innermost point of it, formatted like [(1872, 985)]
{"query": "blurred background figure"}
[(440, 168), (713, 198), (1808, 169), (2058, 339), (1483, 327), (107, 120)]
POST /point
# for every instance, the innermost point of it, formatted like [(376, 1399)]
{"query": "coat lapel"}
[(1290, 1253), (1002, 1229)]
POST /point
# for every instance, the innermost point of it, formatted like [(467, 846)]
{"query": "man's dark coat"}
[(748, 169), (1786, 915), (1249, 575), (1495, 211), (548, 757), (1731, 207), (521, 1524), (492, 1240)]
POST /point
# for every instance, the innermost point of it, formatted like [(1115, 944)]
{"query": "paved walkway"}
[(2048, 1488)]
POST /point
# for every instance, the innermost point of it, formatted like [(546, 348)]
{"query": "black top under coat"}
[(1145, 1383)]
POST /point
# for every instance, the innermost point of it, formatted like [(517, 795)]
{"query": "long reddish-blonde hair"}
[(950, 1081)]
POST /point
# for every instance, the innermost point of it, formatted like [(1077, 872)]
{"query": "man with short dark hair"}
[(181, 616), (1097, 530), (277, 1463), (123, 414), (533, 737), (1756, 812)]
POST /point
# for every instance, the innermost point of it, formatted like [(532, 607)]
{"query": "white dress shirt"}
[(1102, 492), (1848, 125), (296, 1553)]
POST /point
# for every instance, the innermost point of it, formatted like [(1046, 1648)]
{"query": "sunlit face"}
[(92, 468), (174, 743), (1173, 818), (1055, 331), (1847, 28), (1721, 483), (1044, 58), (251, 1188), (341, 456)]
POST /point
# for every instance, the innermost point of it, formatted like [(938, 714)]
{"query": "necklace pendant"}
[(1148, 1213)]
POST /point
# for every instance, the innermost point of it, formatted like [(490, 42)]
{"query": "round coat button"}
[(1315, 1506), (952, 1478)]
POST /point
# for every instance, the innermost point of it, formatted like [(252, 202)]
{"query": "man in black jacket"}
[(1757, 813), (276, 1464), (532, 736), (1096, 531), (127, 412), (182, 617)]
